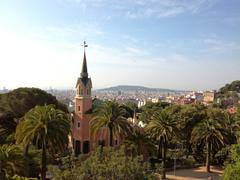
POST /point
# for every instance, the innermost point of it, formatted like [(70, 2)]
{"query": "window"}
[(87, 92), (79, 108), (86, 147), (77, 148), (116, 142), (78, 124), (81, 91)]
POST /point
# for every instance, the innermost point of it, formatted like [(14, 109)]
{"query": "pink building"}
[(83, 141)]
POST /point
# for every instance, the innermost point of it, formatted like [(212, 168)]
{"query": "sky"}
[(176, 44)]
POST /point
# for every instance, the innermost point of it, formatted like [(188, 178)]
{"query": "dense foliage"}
[(48, 127), (11, 161), (16, 111), (14, 105), (234, 86), (111, 115), (34, 134), (21, 100), (232, 171), (228, 95), (108, 164)]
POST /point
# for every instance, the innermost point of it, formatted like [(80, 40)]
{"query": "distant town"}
[(140, 95)]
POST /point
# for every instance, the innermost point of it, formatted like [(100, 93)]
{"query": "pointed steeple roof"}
[(84, 73)]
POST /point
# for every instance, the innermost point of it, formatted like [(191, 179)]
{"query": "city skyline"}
[(162, 44)]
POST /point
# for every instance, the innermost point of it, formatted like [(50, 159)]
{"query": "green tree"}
[(130, 109), (49, 127), (232, 170), (209, 131), (108, 164), (188, 117), (15, 104), (111, 115), (7, 127), (162, 127), (149, 108), (11, 161), (233, 86), (138, 143), (231, 125)]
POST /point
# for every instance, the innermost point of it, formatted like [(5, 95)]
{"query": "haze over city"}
[(163, 44)]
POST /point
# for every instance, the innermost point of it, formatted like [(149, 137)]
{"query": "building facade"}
[(83, 103), (82, 140)]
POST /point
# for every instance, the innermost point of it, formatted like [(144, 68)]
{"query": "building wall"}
[(208, 96)]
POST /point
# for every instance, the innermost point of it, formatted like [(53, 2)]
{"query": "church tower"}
[(83, 103)]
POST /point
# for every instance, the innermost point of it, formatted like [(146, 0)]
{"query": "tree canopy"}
[(233, 86), (15, 104), (21, 100)]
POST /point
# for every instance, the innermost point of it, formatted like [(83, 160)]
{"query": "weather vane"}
[(84, 45)]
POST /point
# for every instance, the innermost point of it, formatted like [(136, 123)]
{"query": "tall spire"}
[(84, 73)]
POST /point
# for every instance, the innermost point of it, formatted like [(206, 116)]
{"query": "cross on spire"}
[(84, 45), (84, 73)]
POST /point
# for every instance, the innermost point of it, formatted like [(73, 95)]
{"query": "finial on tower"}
[(84, 45), (84, 73)]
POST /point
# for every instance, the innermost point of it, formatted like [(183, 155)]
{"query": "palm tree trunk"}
[(2, 173), (111, 136), (43, 163), (25, 150), (159, 148), (164, 148), (208, 157)]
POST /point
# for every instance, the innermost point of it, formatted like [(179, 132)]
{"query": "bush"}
[(190, 161), (232, 170), (108, 164)]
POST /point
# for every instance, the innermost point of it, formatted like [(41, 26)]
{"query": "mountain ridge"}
[(136, 88)]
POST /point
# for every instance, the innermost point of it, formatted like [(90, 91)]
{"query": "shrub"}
[(108, 164), (232, 170)]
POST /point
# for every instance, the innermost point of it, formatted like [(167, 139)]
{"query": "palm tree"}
[(231, 125), (131, 109), (162, 127), (111, 115), (210, 132), (7, 127), (139, 143), (11, 161), (47, 126)]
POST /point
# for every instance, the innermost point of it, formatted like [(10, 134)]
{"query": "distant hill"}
[(135, 88), (233, 86)]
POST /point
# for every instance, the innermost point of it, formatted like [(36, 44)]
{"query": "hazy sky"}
[(178, 44)]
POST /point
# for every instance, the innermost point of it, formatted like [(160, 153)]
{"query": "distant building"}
[(209, 96), (198, 96), (155, 100), (184, 101), (119, 93), (141, 103)]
